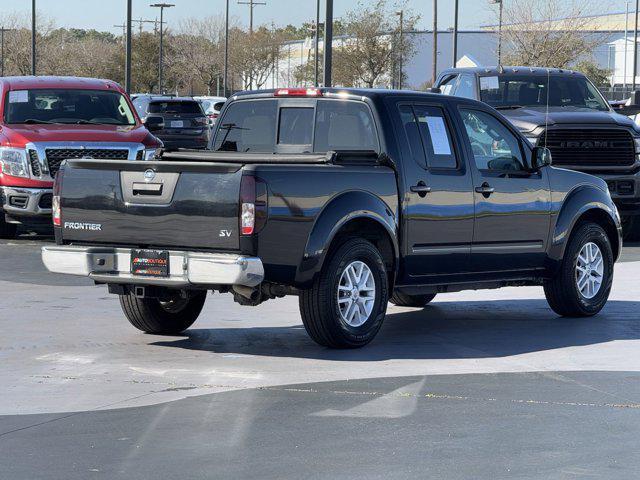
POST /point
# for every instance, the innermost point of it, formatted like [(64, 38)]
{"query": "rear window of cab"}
[(263, 126)]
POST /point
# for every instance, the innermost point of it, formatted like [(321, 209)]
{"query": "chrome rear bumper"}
[(113, 265)]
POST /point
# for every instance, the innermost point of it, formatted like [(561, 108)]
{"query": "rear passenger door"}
[(438, 203)]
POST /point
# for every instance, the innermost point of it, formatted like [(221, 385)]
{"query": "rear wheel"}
[(631, 228), (166, 316), (347, 303), (403, 300), (582, 286), (7, 230)]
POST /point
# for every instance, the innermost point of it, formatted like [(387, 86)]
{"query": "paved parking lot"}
[(477, 385)]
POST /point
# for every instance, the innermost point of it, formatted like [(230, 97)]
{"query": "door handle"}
[(421, 189), (485, 189)]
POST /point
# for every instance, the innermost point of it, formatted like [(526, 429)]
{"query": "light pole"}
[(161, 6), (226, 49), (316, 68), (626, 45), (435, 43), (33, 37), (127, 61), (499, 2), (401, 44), (252, 4), (635, 49), (455, 34), (328, 43), (2, 31)]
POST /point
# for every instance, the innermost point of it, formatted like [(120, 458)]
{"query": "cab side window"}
[(466, 87), (435, 136), (448, 84), (413, 135), (493, 145), (428, 136)]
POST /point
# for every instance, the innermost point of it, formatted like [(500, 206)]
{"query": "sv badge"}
[(225, 233)]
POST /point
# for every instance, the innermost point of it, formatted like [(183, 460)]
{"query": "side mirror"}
[(541, 157), (154, 124), (629, 107), (435, 90), (634, 100)]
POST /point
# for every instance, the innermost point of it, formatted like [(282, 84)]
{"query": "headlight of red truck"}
[(13, 161)]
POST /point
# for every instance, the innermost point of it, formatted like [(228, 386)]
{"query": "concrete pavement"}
[(484, 384)]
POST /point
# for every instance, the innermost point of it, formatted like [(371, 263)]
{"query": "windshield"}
[(513, 91), (175, 107), (67, 107)]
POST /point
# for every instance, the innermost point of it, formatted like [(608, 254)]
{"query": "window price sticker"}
[(489, 83), (18, 96), (439, 138)]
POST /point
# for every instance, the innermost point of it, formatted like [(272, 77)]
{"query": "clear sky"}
[(104, 14)]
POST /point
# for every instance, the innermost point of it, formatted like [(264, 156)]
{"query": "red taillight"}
[(247, 205), (55, 210), (298, 92)]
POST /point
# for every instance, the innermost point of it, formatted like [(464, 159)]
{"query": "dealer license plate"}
[(150, 263)]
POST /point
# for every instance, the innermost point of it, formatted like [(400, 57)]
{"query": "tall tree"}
[(368, 54), (254, 56), (548, 33)]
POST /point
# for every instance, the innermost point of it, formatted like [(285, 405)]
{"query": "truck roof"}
[(332, 92), (496, 70), (31, 82)]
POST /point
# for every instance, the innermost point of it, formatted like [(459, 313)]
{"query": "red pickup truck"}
[(45, 120)]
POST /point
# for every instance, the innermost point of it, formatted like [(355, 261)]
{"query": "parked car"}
[(346, 198), (178, 121), (45, 120), (564, 111), (211, 107)]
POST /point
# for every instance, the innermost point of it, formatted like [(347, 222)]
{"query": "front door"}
[(438, 200), (513, 203)]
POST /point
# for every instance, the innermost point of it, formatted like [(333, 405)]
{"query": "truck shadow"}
[(443, 330)]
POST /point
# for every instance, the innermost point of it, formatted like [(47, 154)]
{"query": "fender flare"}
[(579, 201), (340, 210)]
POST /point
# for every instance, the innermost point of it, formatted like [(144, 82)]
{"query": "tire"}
[(325, 318), (562, 291), (7, 230), (631, 228), (170, 317), (402, 300)]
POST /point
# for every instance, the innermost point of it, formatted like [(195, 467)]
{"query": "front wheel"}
[(347, 303), (582, 285), (166, 316)]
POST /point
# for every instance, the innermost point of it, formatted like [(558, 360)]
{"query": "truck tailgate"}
[(151, 204)]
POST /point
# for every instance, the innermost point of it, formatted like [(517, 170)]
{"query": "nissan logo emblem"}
[(149, 175)]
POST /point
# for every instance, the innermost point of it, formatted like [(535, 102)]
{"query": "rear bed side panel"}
[(201, 213), (298, 195)]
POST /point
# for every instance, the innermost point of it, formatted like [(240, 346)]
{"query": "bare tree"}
[(253, 56), (199, 53), (370, 50), (548, 33)]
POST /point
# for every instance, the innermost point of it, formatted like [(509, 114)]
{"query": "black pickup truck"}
[(346, 198), (563, 111)]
